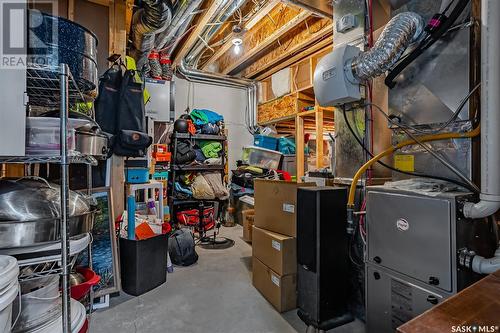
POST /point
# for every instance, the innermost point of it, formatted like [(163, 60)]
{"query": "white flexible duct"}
[(402, 30), (490, 113)]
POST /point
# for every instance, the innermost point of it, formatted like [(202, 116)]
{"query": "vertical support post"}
[(66, 292), (299, 149), (319, 137)]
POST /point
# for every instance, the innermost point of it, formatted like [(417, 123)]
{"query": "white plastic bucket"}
[(9, 289), (78, 317)]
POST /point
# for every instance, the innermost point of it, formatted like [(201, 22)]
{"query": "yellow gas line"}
[(390, 150)]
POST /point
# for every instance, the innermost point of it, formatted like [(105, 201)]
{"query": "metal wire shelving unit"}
[(55, 87)]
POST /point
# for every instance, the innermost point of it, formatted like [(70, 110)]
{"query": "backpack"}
[(120, 111), (181, 248)]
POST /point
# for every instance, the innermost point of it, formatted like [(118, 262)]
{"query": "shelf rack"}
[(204, 167), (52, 87)]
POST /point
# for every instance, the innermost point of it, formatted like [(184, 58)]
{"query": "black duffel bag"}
[(181, 248), (131, 143)]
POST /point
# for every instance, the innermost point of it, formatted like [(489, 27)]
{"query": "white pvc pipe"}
[(490, 113), (482, 265)]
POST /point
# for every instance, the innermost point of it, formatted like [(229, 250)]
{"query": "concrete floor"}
[(213, 296)]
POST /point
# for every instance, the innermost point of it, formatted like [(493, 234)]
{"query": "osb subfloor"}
[(213, 296)]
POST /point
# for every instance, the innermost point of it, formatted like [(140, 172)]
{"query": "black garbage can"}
[(143, 264)]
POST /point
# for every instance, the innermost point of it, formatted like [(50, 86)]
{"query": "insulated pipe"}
[(181, 20), (402, 30), (152, 18), (223, 13), (490, 116)]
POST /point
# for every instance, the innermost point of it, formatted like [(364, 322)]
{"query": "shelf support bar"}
[(65, 251)]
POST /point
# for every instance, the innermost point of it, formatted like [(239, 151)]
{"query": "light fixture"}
[(237, 42), (237, 39)]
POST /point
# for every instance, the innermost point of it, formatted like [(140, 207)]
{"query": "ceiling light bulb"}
[(237, 49)]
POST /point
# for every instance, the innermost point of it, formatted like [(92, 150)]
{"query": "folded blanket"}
[(201, 117)]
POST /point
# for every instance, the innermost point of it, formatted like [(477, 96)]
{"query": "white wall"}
[(229, 102)]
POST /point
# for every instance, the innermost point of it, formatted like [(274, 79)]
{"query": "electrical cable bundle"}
[(436, 28)]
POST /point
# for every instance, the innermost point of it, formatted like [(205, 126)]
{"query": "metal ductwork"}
[(152, 18), (170, 37), (223, 13), (490, 113), (402, 30), (318, 7), (194, 75)]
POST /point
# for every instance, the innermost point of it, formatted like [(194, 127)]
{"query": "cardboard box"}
[(275, 205), (280, 291), (276, 251), (248, 217)]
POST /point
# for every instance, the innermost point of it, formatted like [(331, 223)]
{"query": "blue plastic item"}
[(267, 142), (131, 217), (137, 175), (286, 146)]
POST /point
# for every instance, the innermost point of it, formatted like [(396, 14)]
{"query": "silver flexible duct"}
[(223, 13), (490, 115), (402, 30), (151, 19), (182, 19), (194, 75)]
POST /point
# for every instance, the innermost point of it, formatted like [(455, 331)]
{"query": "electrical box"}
[(346, 23), (13, 112), (333, 85), (160, 106)]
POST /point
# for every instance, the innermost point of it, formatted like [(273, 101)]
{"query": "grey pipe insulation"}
[(151, 19)]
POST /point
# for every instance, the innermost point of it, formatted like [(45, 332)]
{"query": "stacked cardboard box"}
[(248, 217), (273, 242)]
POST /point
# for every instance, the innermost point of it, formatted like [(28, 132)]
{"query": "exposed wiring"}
[(425, 138), (441, 159), (426, 43), (415, 174), (455, 115)]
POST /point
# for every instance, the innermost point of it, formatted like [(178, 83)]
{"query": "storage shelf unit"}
[(175, 169), (49, 86)]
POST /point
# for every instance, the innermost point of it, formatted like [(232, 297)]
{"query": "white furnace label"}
[(276, 245), (289, 208), (275, 280)]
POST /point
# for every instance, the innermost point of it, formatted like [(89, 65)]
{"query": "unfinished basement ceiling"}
[(273, 32)]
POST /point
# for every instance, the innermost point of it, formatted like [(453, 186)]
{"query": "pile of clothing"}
[(206, 121), (206, 186)]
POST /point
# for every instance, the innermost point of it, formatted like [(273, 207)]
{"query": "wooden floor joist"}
[(248, 25), (316, 42), (248, 55)]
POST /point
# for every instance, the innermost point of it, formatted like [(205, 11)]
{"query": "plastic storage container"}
[(143, 264), (43, 135), (9, 289), (137, 175), (267, 142), (261, 157)]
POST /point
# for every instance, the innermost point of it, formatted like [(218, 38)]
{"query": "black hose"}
[(424, 45), (415, 174)]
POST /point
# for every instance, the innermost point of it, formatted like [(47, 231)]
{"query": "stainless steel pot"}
[(92, 144), (30, 213), (28, 233)]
